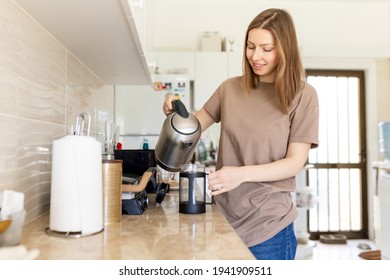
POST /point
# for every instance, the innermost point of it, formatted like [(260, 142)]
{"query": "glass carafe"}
[(192, 189)]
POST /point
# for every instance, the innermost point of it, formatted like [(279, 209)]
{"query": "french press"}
[(192, 189)]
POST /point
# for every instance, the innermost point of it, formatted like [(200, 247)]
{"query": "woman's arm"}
[(229, 177), (204, 118)]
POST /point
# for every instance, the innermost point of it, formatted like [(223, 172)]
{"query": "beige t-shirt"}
[(255, 131)]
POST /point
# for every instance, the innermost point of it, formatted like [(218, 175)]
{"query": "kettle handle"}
[(180, 108)]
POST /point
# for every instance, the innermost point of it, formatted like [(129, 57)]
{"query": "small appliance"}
[(178, 139), (192, 189)]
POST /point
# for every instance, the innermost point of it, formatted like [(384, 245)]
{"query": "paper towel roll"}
[(76, 203)]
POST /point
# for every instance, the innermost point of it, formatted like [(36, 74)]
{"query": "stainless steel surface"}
[(178, 140), (77, 234)]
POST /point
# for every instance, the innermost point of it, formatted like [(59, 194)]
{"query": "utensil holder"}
[(112, 191)]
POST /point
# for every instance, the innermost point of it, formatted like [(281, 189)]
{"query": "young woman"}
[(269, 121)]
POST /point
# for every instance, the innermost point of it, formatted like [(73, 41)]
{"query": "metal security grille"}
[(338, 166)]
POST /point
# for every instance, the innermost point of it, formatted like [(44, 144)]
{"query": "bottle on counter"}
[(212, 150), (145, 145)]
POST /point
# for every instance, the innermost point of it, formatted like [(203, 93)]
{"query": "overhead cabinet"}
[(176, 63), (102, 34)]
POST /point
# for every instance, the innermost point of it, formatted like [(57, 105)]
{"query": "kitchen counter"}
[(161, 232), (381, 164)]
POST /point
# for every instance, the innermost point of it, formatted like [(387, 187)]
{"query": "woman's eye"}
[(268, 50)]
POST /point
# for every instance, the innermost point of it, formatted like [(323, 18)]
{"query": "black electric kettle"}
[(178, 139)]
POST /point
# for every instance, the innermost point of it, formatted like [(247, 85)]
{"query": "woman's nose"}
[(257, 54)]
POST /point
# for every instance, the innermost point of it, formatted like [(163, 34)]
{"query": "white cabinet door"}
[(234, 64), (211, 69), (169, 62)]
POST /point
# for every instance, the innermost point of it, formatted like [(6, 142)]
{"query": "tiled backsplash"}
[(43, 88)]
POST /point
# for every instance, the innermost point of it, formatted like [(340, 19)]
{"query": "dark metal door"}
[(338, 166)]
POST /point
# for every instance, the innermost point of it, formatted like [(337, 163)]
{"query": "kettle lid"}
[(185, 126)]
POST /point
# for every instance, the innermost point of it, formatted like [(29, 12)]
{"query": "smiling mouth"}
[(258, 66)]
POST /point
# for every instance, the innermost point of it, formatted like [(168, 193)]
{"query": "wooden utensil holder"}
[(112, 191)]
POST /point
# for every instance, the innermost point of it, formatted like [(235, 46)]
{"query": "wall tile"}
[(104, 110), (25, 164), (81, 90), (32, 67), (9, 57), (43, 88)]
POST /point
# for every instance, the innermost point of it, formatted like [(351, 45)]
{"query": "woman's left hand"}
[(225, 179)]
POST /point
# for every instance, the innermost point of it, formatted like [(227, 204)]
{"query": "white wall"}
[(322, 26)]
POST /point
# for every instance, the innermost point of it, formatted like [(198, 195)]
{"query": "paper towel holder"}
[(80, 124), (76, 162)]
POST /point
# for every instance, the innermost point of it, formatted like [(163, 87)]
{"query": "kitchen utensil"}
[(192, 189), (178, 139), (333, 238), (112, 191), (76, 203), (110, 139), (371, 255)]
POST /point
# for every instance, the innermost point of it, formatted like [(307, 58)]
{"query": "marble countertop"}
[(160, 233)]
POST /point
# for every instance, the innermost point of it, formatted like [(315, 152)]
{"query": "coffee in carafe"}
[(192, 189)]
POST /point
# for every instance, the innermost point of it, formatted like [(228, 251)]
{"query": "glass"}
[(13, 235), (192, 189)]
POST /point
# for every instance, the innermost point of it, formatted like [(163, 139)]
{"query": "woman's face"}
[(262, 54)]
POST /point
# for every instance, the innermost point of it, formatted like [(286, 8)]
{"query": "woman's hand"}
[(167, 106), (225, 179), (228, 178)]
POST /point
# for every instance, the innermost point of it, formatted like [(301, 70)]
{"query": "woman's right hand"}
[(167, 106)]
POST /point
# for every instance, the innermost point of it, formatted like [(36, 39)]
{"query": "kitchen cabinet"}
[(102, 34), (211, 69), (234, 63), (176, 62)]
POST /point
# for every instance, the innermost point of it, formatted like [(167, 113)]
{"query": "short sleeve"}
[(304, 118)]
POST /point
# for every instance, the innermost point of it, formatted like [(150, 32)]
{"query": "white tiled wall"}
[(43, 88)]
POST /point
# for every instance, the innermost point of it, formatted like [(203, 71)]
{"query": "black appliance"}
[(135, 164)]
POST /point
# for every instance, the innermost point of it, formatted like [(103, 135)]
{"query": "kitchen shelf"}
[(102, 34)]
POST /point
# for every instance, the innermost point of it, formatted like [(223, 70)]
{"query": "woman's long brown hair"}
[(289, 72)]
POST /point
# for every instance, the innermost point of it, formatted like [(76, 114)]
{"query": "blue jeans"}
[(282, 246)]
